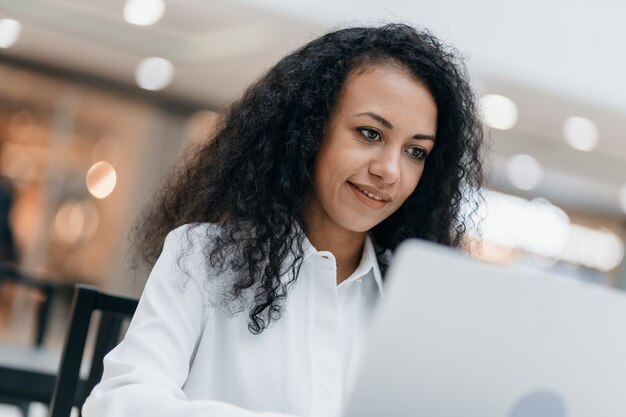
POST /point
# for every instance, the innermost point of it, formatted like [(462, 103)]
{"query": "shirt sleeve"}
[(143, 376)]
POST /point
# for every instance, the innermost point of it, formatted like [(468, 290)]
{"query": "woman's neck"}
[(345, 245)]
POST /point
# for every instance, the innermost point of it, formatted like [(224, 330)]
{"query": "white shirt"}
[(182, 357)]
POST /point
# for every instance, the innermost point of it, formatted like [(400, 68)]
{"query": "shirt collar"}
[(369, 263)]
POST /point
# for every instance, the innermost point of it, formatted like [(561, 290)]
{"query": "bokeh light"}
[(18, 162), (101, 179), (535, 226), (154, 73), (76, 221), (599, 249), (143, 12), (524, 172), (499, 112), (10, 31), (581, 133)]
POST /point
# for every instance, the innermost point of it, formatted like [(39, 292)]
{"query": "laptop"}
[(455, 337)]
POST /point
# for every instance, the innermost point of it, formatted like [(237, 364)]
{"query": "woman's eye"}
[(417, 153), (370, 134)]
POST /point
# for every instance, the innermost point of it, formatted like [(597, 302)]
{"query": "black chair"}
[(69, 390), (66, 389)]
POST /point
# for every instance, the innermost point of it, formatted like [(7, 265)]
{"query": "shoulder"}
[(187, 256), (190, 239), (193, 233), (186, 249)]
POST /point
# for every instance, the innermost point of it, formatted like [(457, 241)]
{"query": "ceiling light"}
[(581, 133), (10, 31), (101, 179), (143, 12), (154, 73), (524, 172), (499, 112)]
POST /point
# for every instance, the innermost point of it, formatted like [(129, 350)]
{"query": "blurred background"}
[(99, 97)]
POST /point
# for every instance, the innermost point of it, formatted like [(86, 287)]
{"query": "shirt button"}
[(359, 279)]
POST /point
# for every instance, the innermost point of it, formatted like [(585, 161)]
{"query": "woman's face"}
[(373, 155)]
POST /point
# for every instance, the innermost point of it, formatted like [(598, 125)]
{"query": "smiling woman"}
[(371, 160), (346, 147)]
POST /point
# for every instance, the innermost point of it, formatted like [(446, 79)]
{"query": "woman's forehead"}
[(389, 91)]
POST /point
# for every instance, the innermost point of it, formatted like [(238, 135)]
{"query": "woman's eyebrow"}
[(423, 137), (380, 119)]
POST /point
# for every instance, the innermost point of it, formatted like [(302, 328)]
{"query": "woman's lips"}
[(372, 191), (366, 199)]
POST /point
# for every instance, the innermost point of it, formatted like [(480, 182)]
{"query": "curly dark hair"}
[(254, 175)]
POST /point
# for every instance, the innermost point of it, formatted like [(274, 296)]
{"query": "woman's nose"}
[(386, 165)]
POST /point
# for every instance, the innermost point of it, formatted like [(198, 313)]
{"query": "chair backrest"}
[(69, 390)]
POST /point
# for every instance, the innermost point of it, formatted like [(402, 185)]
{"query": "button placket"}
[(326, 398)]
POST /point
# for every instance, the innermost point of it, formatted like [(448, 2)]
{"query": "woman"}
[(262, 295)]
